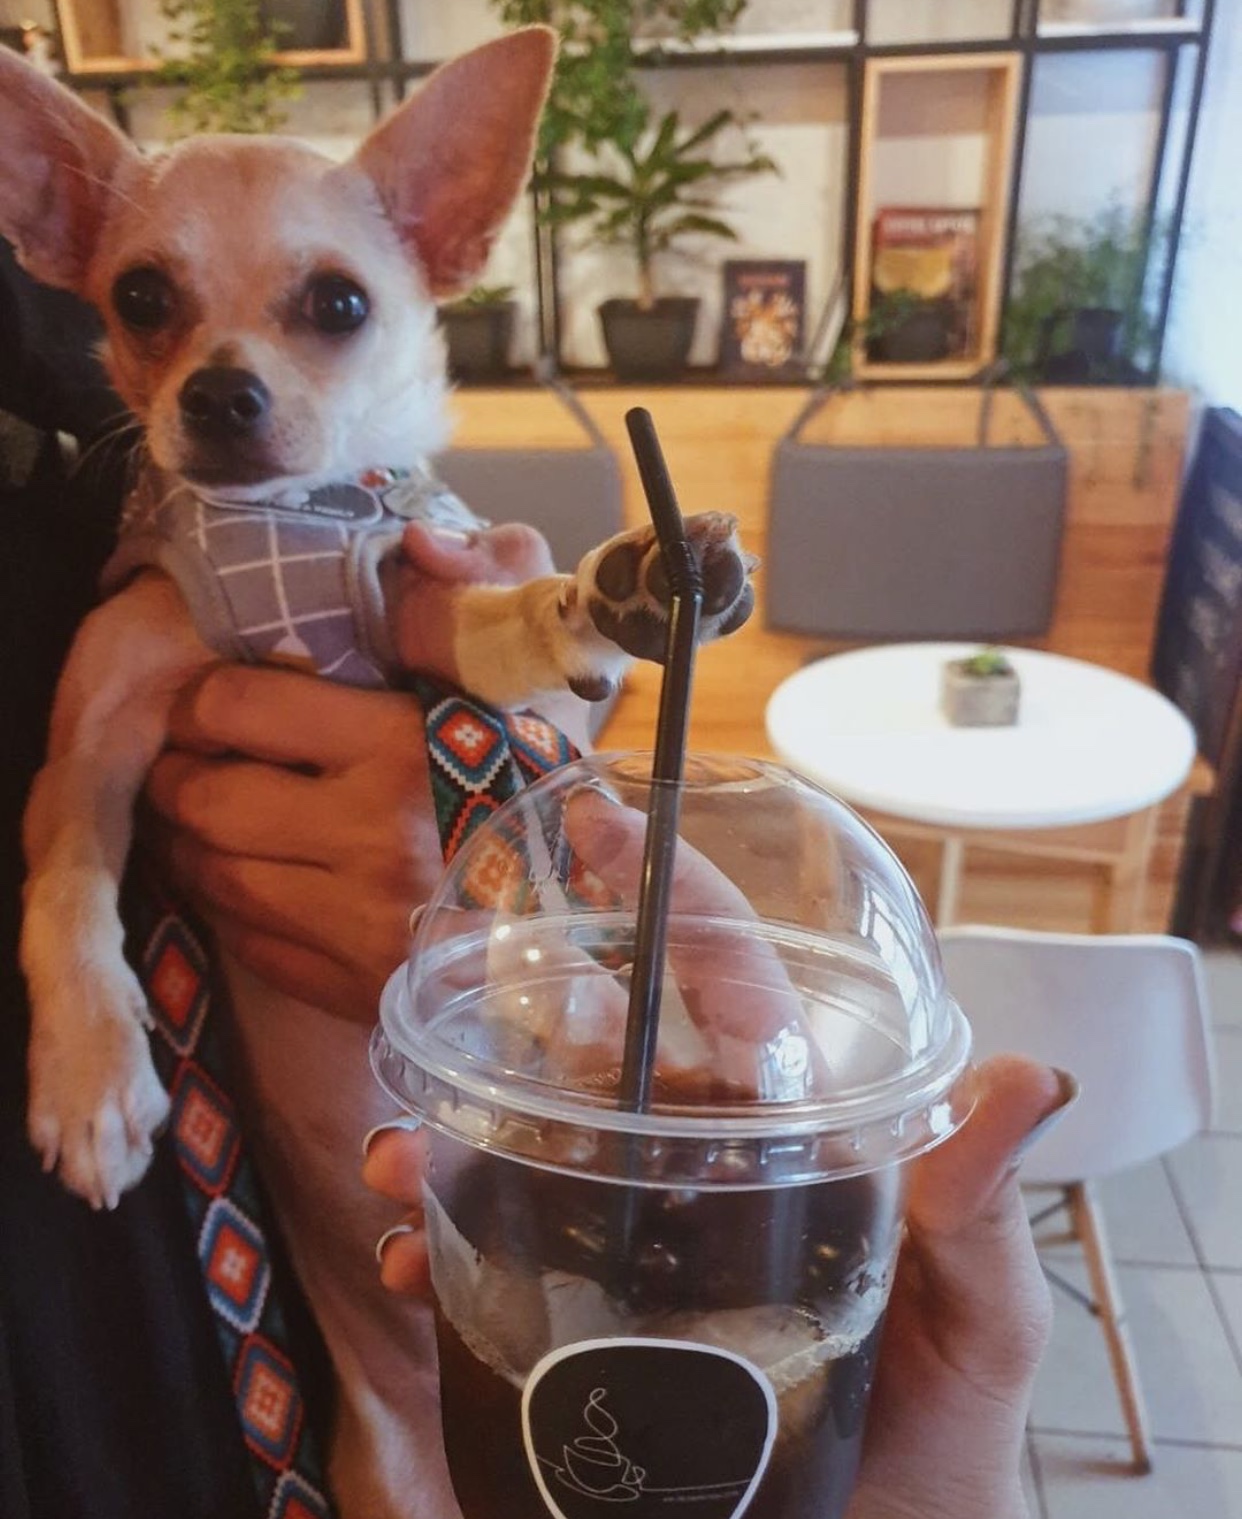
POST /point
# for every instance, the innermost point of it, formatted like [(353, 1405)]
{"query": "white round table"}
[(1089, 745)]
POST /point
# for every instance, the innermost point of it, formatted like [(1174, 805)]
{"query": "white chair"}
[(1127, 1014)]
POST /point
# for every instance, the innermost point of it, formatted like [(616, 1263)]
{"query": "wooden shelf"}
[(993, 80), (93, 36), (1177, 27)]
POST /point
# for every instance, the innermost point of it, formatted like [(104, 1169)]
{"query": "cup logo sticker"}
[(647, 1427)]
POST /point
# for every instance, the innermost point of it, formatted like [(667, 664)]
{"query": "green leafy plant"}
[(222, 58), (1068, 264), (661, 189), (988, 661), (592, 100), (886, 314), (481, 298)]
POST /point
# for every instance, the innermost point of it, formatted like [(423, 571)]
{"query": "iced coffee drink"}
[(675, 1310)]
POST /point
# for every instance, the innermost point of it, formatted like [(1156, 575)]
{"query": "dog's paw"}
[(95, 1100), (624, 587)]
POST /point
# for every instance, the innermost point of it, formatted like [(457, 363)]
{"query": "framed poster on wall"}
[(763, 319)]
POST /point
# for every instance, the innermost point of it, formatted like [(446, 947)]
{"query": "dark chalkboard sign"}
[(1197, 659)]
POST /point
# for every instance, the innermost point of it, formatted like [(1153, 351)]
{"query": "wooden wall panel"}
[(1126, 450)]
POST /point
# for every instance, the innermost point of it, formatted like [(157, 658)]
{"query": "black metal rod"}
[(1183, 187), (855, 85), (660, 848), (1013, 209)]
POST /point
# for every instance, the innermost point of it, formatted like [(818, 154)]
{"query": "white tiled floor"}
[(1176, 1232)]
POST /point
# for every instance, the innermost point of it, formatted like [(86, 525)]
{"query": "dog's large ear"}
[(58, 160), (450, 163)]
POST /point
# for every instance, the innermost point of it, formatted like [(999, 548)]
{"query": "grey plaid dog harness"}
[(296, 580)]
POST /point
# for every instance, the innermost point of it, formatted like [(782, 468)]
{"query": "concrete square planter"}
[(979, 701)]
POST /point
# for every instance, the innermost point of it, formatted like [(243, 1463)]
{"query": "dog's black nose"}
[(224, 403)]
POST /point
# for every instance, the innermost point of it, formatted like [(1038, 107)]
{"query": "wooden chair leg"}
[(1089, 1226), (1127, 874), (949, 887)]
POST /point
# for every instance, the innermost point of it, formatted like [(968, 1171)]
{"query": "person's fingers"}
[(299, 970), (281, 898), (241, 807), (394, 1164), (403, 1262), (968, 1244), (289, 718), (735, 986), (507, 554), (954, 1184)]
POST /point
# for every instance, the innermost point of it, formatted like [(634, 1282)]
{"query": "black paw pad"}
[(637, 631), (724, 575), (592, 687), (744, 606), (616, 575)]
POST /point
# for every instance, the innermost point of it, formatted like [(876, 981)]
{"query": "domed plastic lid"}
[(804, 1031)]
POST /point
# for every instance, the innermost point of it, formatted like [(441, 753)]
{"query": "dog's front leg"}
[(582, 631), (95, 1100)]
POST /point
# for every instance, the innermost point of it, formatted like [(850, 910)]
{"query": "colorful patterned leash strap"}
[(228, 1212), (480, 756)]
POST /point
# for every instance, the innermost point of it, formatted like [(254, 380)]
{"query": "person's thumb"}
[(967, 1229)]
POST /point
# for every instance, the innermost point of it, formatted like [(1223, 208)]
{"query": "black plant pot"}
[(478, 339), (920, 337), (649, 345), (1083, 343), (306, 25)]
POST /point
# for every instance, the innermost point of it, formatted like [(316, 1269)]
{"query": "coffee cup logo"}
[(647, 1427)]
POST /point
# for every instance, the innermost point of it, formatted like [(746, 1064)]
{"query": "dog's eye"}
[(335, 304), (143, 298)]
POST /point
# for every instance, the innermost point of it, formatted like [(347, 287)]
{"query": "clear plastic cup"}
[(675, 1309)]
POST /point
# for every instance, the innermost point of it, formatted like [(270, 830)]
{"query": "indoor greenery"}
[(481, 298), (1069, 264), (987, 661), (888, 312), (646, 196), (222, 60), (592, 99)]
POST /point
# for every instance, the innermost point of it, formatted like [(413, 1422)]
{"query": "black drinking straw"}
[(660, 848)]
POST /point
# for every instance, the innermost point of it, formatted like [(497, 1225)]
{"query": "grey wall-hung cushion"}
[(572, 495), (902, 542)]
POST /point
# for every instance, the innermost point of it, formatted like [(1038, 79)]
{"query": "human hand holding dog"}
[(297, 814), (299, 822)]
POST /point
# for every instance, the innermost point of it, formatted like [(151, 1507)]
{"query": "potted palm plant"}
[(650, 193), (648, 179)]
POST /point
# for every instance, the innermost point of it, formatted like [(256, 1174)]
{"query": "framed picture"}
[(924, 283), (763, 318)]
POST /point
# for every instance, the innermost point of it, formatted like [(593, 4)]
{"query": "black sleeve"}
[(114, 1400), (50, 373)]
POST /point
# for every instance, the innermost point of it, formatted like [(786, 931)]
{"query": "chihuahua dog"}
[(270, 321)]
